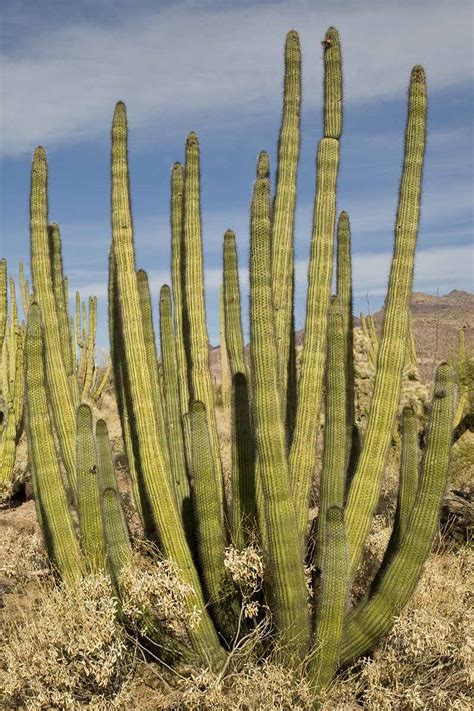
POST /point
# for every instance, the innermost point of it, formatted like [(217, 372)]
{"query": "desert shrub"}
[(426, 661), (67, 653)]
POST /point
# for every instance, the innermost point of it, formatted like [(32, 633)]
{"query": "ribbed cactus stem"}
[(55, 250), (396, 580), (302, 457), (224, 356), (332, 484), (90, 347), (124, 407), (283, 222), (56, 374), (119, 549), (198, 342), (155, 474), (282, 544), (171, 396), (331, 602), (210, 531), (332, 84), (88, 494), (58, 530), (365, 487), (3, 300), (24, 290), (243, 514), (344, 297)]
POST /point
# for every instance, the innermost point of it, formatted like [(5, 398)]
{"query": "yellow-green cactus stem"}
[(224, 356), (179, 310), (101, 384), (344, 297), (331, 602), (283, 551), (58, 527), (171, 397), (153, 463), (302, 458), (90, 347), (152, 362), (7, 451), (283, 223), (243, 513), (210, 530), (3, 300), (196, 332), (332, 84), (122, 389), (119, 549), (365, 486), (397, 578), (332, 484), (88, 494), (55, 251), (56, 374)]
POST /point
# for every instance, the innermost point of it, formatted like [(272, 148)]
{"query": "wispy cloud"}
[(186, 62)]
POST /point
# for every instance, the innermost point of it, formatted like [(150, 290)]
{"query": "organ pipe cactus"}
[(168, 416)]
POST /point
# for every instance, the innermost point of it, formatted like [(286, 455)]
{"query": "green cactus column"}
[(302, 457), (210, 530), (55, 249), (332, 482), (283, 223), (56, 374), (3, 300), (365, 487), (51, 500), (283, 551), (243, 515), (224, 356), (90, 347), (152, 460), (152, 362), (119, 549), (397, 578), (171, 395), (198, 343), (344, 297), (88, 494)]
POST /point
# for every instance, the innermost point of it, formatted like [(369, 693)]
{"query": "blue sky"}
[(217, 68)]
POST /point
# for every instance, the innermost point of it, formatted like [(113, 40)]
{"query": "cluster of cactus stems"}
[(168, 415), (12, 382)]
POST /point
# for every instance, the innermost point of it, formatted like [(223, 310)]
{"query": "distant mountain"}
[(436, 322)]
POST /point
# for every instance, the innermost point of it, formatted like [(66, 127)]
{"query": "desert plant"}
[(175, 464)]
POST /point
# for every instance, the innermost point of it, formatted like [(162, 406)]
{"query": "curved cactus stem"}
[(397, 578), (365, 486)]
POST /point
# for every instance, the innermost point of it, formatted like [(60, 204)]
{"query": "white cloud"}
[(221, 62)]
